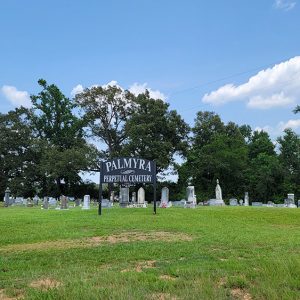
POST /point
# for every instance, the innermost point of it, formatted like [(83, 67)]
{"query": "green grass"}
[(247, 253)]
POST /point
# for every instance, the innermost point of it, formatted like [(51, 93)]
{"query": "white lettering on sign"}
[(128, 163)]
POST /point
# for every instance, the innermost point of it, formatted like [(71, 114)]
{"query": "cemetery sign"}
[(128, 170)]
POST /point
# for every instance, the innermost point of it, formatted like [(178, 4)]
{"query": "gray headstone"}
[(63, 202), (6, 197), (233, 202), (45, 203), (124, 197), (36, 200)]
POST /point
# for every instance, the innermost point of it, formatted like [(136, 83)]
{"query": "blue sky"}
[(199, 55)]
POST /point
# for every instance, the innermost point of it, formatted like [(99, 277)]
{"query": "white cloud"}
[(277, 130), (16, 98), (137, 89), (293, 124), (77, 90), (278, 86), (284, 4)]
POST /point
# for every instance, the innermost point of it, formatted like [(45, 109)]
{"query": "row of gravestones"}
[(139, 201)]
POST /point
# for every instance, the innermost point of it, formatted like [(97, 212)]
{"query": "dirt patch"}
[(140, 266), (125, 237), (19, 295), (167, 277), (148, 264), (45, 284), (240, 294), (222, 282), (162, 296)]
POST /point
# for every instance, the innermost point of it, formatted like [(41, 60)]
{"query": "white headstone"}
[(164, 201), (86, 202), (141, 196), (246, 199)]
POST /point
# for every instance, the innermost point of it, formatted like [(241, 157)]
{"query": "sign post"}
[(127, 171)]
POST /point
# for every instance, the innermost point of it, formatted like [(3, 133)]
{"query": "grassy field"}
[(206, 253)]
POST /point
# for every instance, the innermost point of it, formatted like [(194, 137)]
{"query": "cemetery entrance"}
[(127, 171)]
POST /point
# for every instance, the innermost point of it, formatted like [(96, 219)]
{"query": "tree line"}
[(45, 148)]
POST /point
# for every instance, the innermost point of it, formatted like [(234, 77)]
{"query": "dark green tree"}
[(60, 135), (289, 147), (218, 151), (264, 174), (154, 132), (19, 154), (106, 110)]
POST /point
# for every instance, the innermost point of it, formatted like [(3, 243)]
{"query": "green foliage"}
[(289, 146), (19, 156), (60, 135), (53, 117), (153, 132), (106, 110), (218, 152)]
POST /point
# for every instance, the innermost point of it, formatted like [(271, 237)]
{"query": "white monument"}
[(191, 201), (218, 201), (86, 202)]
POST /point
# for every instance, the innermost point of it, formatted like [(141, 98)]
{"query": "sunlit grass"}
[(230, 252)]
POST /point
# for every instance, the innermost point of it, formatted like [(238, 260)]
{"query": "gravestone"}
[(290, 201), (6, 197), (52, 202), (218, 201), (191, 200), (164, 201), (86, 202), (24, 201), (77, 202), (241, 202), (45, 203), (63, 202), (141, 198), (133, 197), (36, 200), (19, 201), (112, 197), (257, 204), (246, 199), (233, 202), (298, 203), (181, 203), (270, 204), (124, 197), (106, 203), (29, 202)]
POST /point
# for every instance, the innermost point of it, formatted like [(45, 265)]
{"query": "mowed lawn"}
[(205, 253)]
